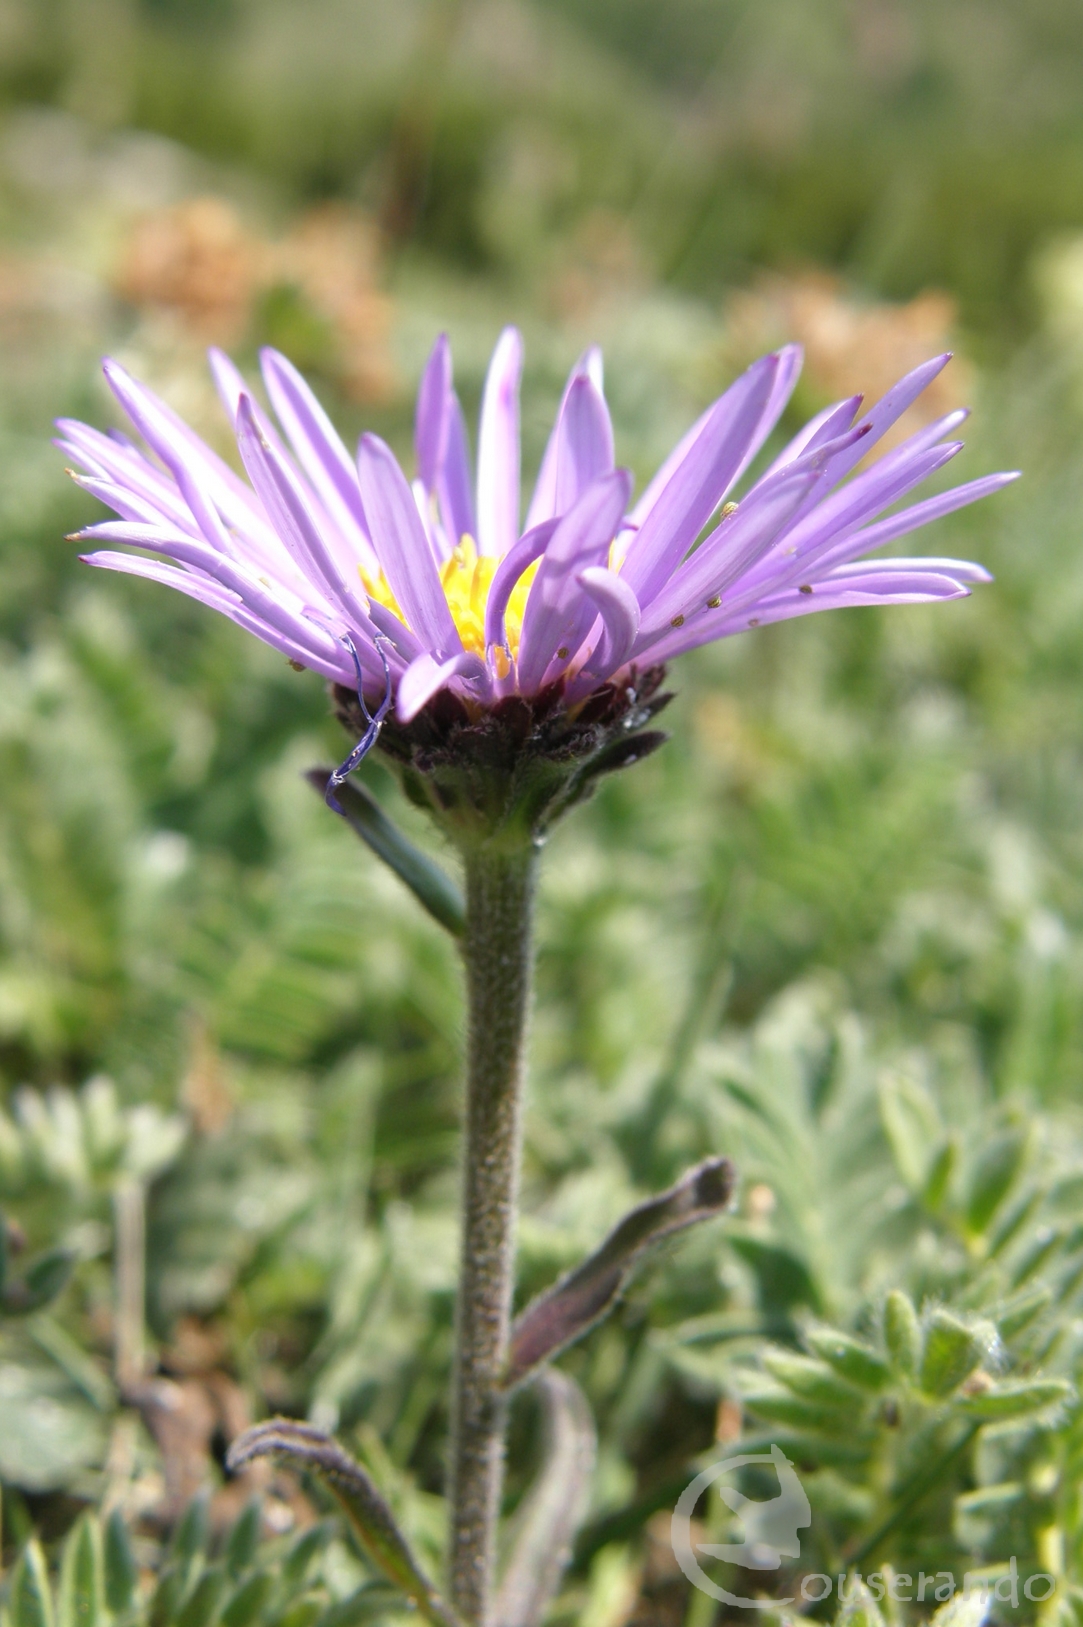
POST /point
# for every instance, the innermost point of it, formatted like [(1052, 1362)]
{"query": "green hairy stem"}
[(497, 952)]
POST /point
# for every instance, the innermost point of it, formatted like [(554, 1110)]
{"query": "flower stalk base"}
[(497, 949)]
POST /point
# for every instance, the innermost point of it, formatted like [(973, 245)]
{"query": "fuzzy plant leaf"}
[(191, 1535), (812, 1379), (201, 1606), (370, 1518), (31, 1596), (554, 1507), (953, 1349), (1017, 1400), (902, 1333), (243, 1540), (850, 1359), (42, 1280), (1023, 1309), (247, 1601), (433, 889), (992, 1178), (581, 1298), (120, 1573), (82, 1592)]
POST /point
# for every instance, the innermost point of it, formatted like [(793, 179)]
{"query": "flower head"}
[(430, 586)]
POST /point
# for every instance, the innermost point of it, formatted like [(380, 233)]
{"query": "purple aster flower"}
[(405, 589)]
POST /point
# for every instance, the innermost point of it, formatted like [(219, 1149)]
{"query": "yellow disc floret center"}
[(466, 577)]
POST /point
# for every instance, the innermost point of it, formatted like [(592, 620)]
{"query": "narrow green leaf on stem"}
[(30, 1598), (190, 1538), (248, 1601), (369, 1515), (953, 1349), (552, 1511), (814, 1380), (1017, 1400), (41, 1281), (244, 1539), (1022, 1309), (425, 879), (81, 1582), (581, 1298), (121, 1574), (850, 1358), (201, 1606), (902, 1333)]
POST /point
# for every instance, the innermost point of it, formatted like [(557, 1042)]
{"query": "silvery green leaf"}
[(370, 1518), (80, 1598), (432, 888), (953, 1348), (585, 1294), (1016, 1400), (913, 1128), (851, 1359), (120, 1573), (553, 1508), (902, 1333), (243, 1539), (31, 1597)]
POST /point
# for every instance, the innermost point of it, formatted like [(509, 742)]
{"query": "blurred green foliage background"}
[(835, 928)]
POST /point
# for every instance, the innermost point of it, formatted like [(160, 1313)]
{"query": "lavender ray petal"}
[(790, 361), (454, 484), (824, 427), (709, 627), (886, 467), (498, 448), (127, 467), (834, 520), (339, 531), (220, 599), (618, 608), (700, 482), (319, 450), (743, 537), (580, 446), (919, 514), (259, 596), (788, 365), (963, 570), (403, 548), (431, 419), (237, 502), (434, 531), (530, 546), (875, 586), (132, 505), (889, 409), (406, 647), (194, 474), (724, 558), (558, 613), (284, 499), (424, 676)]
